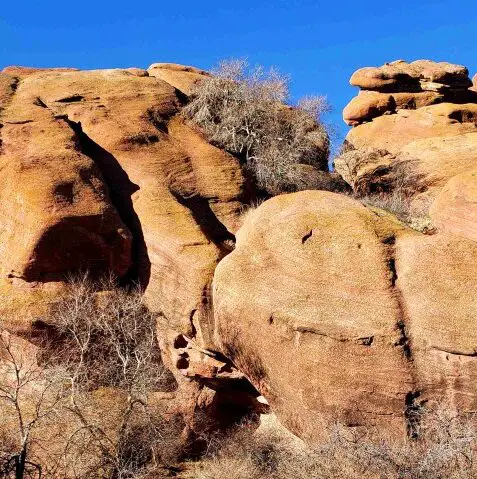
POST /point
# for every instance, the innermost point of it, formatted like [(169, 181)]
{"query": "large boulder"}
[(306, 307), (337, 312)]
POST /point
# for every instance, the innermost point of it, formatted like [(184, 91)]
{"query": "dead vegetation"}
[(84, 406), (243, 111), (444, 449), (82, 403), (382, 180)]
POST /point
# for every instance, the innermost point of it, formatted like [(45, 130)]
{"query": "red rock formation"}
[(420, 117), (336, 312)]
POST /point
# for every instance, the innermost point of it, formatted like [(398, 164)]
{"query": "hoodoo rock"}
[(402, 85), (413, 123), (338, 313)]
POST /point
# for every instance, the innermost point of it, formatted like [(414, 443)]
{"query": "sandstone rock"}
[(415, 76), (411, 118), (21, 72), (366, 106), (56, 212), (288, 295), (179, 76), (369, 318), (433, 143), (371, 104), (179, 196), (393, 132), (455, 208), (437, 277), (7, 89)]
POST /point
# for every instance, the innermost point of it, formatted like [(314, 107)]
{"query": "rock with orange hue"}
[(305, 306), (106, 156), (371, 104), (455, 208), (21, 72), (56, 214), (101, 173), (412, 123), (179, 76), (437, 278), (420, 75), (336, 312), (7, 89)]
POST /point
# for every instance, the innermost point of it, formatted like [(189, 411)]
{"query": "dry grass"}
[(398, 202), (242, 110), (444, 449)]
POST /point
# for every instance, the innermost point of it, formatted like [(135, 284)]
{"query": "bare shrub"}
[(242, 111), (383, 180), (30, 397), (107, 344), (444, 449)]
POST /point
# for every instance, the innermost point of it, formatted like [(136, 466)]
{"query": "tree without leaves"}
[(109, 348), (242, 110), (30, 395)]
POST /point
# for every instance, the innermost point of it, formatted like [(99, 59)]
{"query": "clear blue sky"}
[(318, 43)]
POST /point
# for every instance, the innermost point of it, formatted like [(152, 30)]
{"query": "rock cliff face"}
[(327, 308), (99, 174)]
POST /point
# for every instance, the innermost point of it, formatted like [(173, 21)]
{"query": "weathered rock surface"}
[(179, 76), (101, 174), (329, 309), (437, 279), (336, 313), (455, 208), (306, 307), (118, 182), (420, 75), (414, 123)]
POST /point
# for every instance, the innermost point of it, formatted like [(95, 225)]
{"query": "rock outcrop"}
[(329, 309), (414, 123), (336, 312), (95, 161), (101, 174), (400, 85)]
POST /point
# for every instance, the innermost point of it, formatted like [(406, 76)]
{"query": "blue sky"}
[(317, 43)]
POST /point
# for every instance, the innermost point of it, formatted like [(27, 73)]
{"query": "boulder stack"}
[(401, 85), (414, 125)]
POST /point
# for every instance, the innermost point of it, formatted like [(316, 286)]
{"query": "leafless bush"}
[(106, 341), (242, 110), (30, 397), (444, 449)]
